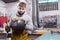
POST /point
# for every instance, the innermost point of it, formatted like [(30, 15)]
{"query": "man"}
[(28, 21)]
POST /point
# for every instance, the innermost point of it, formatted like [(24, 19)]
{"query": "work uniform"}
[(29, 27)]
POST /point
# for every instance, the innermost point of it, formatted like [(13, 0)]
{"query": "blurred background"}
[(45, 13)]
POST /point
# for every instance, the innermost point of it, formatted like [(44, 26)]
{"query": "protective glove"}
[(7, 28)]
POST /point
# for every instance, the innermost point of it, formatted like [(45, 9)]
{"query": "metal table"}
[(49, 36)]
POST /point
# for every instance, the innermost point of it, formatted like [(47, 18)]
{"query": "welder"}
[(21, 24)]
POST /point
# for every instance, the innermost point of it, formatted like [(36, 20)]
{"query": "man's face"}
[(21, 10)]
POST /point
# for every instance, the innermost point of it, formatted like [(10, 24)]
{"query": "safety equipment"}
[(17, 24), (7, 28)]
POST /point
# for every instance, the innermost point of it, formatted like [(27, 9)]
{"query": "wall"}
[(11, 8), (3, 9), (54, 12)]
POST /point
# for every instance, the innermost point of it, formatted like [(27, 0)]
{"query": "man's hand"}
[(7, 28)]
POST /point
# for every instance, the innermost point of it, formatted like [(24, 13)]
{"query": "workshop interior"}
[(45, 16)]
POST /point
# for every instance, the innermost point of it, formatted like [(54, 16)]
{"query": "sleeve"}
[(29, 25), (7, 26)]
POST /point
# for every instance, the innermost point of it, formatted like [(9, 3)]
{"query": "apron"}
[(23, 36)]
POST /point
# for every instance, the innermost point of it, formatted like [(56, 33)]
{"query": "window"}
[(46, 5)]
